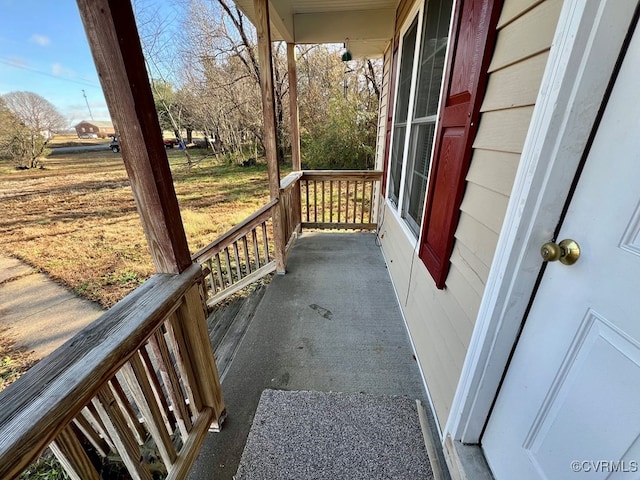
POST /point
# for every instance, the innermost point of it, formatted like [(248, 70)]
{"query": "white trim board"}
[(585, 48)]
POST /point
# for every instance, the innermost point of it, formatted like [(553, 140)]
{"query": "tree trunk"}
[(33, 163), (279, 115)]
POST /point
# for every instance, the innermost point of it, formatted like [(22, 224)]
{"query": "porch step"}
[(227, 325)]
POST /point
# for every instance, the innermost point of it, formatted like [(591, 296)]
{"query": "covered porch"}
[(332, 323), (143, 377)]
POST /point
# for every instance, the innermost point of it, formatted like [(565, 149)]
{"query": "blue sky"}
[(43, 49)]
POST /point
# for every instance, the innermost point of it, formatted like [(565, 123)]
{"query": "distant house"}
[(94, 129)]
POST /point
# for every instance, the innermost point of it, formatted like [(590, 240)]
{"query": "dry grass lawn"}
[(13, 361), (76, 219), (73, 140)]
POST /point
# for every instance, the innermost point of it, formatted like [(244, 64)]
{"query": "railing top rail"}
[(342, 174), (35, 408), (290, 180), (235, 233)]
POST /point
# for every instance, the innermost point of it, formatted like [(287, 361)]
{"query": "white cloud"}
[(61, 71), (41, 40), (18, 62)]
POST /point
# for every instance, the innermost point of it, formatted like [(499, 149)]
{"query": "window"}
[(401, 113), (416, 111)]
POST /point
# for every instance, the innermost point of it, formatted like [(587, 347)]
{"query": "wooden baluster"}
[(245, 248), (298, 205), (91, 435), (339, 199), (315, 201), (91, 415), (265, 240), (256, 250), (306, 184), (123, 438), (127, 411), (355, 202), (72, 456), (212, 278), (136, 377), (219, 271), (236, 257), (323, 204), (283, 216), (191, 447), (227, 257), (371, 202), (176, 342), (171, 382), (331, 201), (346, 204), (168, 417), (202, 374), (288, 216), (364, 194)]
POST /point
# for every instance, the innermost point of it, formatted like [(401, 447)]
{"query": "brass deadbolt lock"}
[(567, 251)]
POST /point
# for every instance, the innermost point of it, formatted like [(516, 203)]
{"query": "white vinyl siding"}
[(441, 321)]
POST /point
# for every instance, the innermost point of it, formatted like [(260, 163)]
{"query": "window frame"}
[(412, 229), (414, 15)]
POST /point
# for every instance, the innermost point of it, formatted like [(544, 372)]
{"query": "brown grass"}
[(14, 361), (73, 140), (76, 219)]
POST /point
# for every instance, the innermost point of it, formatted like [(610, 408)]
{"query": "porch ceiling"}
[(367, 24)]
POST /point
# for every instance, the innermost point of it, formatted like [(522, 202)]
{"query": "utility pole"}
[(87, 102)]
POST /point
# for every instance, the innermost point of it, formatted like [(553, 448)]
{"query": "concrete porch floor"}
[(332, 323)]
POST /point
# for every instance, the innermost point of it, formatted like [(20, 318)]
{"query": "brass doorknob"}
[(567, 251)]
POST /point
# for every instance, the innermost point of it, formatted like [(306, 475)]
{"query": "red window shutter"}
[(472, 42), (390, 109)]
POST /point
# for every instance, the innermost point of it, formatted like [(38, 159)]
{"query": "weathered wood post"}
[(263, 31), (293, 106), (113, 37), (295, 130)]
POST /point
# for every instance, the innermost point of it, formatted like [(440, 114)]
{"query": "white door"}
[(570, 401)]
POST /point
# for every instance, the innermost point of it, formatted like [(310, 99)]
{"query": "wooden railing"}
[(239, 257), (339, 199), (291, 209), (139, 383), (342, 199)]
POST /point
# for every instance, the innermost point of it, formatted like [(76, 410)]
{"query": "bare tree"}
[(214, 71), (39, 120), (157, 39), (12, 133)]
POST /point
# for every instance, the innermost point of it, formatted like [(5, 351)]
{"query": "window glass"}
[(431, 64), (402, 110)]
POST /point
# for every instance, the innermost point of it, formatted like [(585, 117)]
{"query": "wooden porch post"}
[(117, 53), (270, 132), (293, 106), (113, 38), (295, 131)]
